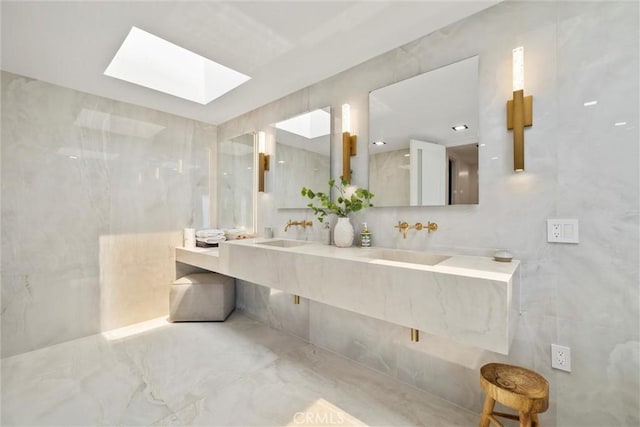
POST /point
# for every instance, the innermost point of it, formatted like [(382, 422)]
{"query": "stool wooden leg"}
[(534, 418), (487, 409), (525, 419)]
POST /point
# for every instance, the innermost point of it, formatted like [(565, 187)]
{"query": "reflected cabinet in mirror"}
[(424, 138), (235, 182), (302, 157)]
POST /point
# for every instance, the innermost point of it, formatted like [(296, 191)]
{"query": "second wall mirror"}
[(302, 156), (424, 138), (236, 182)]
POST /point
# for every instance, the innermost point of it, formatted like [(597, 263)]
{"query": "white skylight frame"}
[(150, 61), (310, 125)]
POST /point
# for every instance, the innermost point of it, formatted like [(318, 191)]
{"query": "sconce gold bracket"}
[(349, 148), (519, 116), (263, 165), (296, 299), (415, 335), (528, 112)]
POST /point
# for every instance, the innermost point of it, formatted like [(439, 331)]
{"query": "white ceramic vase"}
[(343, 233)]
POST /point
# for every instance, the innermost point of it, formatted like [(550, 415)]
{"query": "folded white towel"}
[(212, 232), (211, 239)]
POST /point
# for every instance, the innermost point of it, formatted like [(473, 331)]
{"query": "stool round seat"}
[(514, 387)]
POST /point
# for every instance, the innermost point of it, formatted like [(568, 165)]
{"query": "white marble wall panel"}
[(578, 165), (598, 282), (273, 307), (95, 194)]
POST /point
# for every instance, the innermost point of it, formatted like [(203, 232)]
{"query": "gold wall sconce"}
[(296, 299), (263, 160), (415, 335), (519, 110), (349, 143)]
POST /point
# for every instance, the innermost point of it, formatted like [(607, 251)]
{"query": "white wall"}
[(578, 165), (88, 242)]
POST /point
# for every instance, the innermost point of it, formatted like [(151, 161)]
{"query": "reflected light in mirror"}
[(107, 122), (311, 125)]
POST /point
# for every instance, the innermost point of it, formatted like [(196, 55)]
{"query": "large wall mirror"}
[(235, 182), (302, 157), (424, 138)]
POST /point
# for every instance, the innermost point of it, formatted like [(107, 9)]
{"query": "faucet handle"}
[(431, 226), (402, 225)]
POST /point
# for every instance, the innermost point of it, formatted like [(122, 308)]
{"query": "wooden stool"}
[(516, 388)]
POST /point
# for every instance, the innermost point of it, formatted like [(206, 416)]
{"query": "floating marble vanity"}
[(472, 300)]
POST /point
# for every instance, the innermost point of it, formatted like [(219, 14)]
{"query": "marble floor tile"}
[(240, 372)]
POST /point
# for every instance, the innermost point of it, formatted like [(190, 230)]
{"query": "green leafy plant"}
[(344, 205)]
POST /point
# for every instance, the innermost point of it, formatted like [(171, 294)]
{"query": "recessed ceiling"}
[(284, 46)]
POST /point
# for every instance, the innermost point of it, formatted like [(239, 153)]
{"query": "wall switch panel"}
[(562, 231)]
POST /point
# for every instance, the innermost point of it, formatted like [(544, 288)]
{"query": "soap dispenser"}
[(365, 236)]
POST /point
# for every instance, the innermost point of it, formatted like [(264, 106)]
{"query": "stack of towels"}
[(209, 237)]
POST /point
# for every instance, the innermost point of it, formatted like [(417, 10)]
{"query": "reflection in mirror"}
[(235, 183), (416, 157), (302, 156)]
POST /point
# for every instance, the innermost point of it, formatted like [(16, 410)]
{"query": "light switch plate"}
[(562, 230)]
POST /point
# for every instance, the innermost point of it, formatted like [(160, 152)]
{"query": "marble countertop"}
[(462, 265)]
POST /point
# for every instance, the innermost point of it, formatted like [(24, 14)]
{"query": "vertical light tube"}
[(263, 160), (518, 68), (346, 118)]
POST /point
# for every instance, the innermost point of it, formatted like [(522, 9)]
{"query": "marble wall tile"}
[(273, 307), (95, 194), (578, 165), (360, 338)]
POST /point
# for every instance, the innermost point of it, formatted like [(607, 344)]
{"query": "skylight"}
[(310, 125), (152, 62)]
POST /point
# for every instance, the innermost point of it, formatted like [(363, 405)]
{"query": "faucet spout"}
[(402, 227), (304, 224)]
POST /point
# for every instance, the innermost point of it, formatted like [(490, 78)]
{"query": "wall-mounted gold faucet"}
[(404, 227), (431, 226), (304, 224)]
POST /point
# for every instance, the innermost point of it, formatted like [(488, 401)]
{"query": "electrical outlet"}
[(562, 231), (561, 357)]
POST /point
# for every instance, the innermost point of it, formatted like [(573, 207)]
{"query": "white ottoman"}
[(201, 297)]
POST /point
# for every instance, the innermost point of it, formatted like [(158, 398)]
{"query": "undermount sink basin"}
[(411, 257), (284, 243)]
